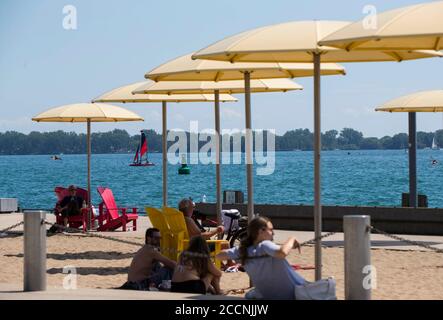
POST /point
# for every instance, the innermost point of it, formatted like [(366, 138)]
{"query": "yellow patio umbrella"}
[(298, 42), (185, 68), (424, 101), (87, 112), (232, 86), (414, 27), (124, 95), (223, 87), (408, 28)]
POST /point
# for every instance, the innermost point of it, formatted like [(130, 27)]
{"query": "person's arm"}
[(209, 234), (166, 261), (228, 254), (283, 250), (223, 255), (213, 269), (192, 227)]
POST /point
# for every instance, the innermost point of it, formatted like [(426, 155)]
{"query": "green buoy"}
[(184, 169)]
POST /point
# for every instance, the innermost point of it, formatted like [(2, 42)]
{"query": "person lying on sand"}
[(195, 272), (265, 262), (149, 267)]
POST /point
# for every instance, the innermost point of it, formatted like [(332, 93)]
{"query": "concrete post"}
[(357, 257), (34, 251)]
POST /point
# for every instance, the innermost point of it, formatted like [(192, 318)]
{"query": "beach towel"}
[(235, 268), (300, 267)]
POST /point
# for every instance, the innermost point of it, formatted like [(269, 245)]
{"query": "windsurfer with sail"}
[(141, 153)]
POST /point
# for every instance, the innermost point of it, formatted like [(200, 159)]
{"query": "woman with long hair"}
[(265, 262), (195, 272)]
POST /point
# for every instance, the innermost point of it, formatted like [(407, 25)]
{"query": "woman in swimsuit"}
[(195, 272)]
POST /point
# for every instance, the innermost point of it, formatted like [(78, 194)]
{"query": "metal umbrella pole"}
[(88, 142), (164, 154), (412, 159), (218, 156), (317, 166), (249, 146)]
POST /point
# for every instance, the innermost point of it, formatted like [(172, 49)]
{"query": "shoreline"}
[(131, 152)]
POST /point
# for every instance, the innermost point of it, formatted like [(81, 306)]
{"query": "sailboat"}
[(141, 155), (434, 145)]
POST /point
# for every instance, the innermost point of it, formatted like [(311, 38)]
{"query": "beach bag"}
[(320, 290)]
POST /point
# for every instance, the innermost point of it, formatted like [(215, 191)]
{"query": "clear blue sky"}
[(42, 65)]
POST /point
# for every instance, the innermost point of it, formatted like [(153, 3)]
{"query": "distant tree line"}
[(119, 141)]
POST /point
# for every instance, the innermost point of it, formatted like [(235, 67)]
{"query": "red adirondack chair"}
[(110, 212), (73, 221)]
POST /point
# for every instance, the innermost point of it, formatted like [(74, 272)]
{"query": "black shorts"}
[(71, 212), (190, 286), (140, 285)]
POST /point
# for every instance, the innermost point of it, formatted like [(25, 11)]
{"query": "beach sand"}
[(102, 263)]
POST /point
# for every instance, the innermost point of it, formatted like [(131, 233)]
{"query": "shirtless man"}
[(149, 267), (187, 206)]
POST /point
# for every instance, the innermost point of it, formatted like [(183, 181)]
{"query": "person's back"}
[(273, 277), (141, 265), (149, 267), (195, 272), (265, 262)]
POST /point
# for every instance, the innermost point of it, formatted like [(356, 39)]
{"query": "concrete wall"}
[(418, 221)]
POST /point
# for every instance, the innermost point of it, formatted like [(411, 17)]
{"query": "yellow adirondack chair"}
[(158, 220), (177, 227)]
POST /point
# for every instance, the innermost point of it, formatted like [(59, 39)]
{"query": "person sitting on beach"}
[(187, 206), (149, 267), (70, 205), (195, 272), (265, 262)]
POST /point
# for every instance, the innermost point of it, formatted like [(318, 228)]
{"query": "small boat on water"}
[(141, 155), (55, 158)]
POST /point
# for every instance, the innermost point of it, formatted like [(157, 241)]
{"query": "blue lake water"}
[(373, 178)]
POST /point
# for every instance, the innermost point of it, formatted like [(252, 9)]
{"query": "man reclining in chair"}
[(149, 267), (70, 205), (187, 206)]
